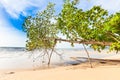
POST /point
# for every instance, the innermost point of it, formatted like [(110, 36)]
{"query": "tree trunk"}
[(88, 56)]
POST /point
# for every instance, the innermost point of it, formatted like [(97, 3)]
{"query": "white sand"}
[(107, 72)]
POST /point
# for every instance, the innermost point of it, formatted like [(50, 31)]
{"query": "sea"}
[(20, 58)]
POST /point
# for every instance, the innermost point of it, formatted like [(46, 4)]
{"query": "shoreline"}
[(100, 71), (75, 71), (24, 60)]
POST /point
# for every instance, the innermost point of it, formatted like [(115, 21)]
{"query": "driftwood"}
[(95, 59)]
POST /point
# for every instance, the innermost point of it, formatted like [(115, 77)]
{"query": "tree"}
[(94, 28), (112, 29), (39, 29)]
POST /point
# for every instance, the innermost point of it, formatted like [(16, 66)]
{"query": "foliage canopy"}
[(94, 27), (40, 28)]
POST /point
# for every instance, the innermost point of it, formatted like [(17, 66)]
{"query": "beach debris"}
[(10, 73)]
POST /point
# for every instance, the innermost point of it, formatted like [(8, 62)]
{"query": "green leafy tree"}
[(94, 27), (112, 30), (41, 31), (40, 28)]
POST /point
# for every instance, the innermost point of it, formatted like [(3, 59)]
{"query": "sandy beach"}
[(100, 71), (59, 39)]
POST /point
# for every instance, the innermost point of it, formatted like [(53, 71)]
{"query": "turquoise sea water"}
[(19, 58)]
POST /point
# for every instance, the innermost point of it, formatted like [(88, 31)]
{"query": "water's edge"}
[(19, 58)]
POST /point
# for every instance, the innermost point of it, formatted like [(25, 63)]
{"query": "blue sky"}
[(13, 12)]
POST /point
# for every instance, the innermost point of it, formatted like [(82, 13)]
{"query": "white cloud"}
[(16, 7), (9, 36), (110, 5)]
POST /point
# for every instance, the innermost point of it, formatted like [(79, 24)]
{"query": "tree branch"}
[(82, 41)]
